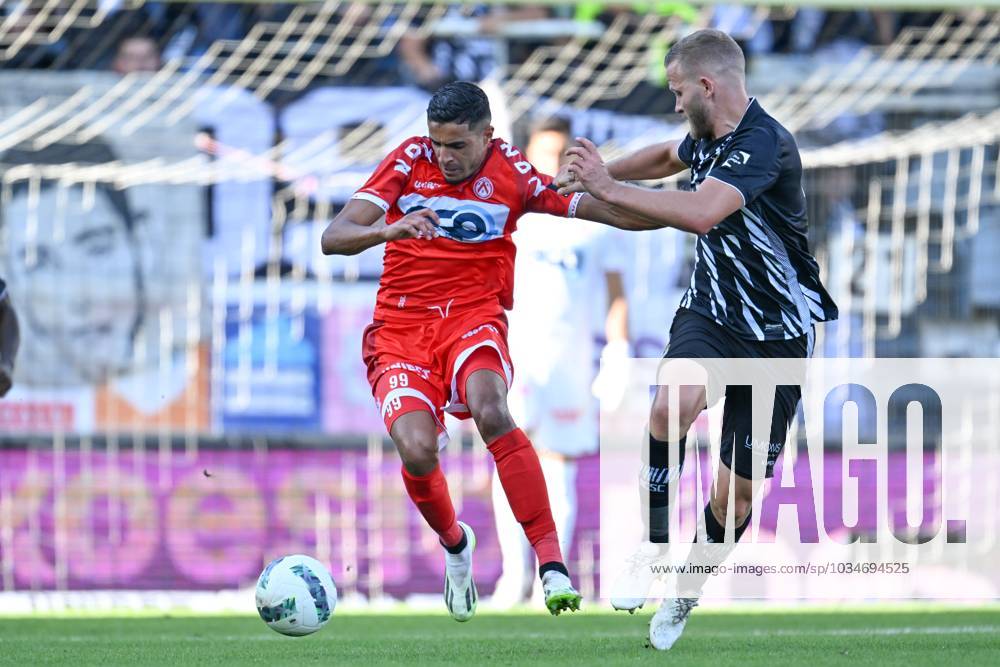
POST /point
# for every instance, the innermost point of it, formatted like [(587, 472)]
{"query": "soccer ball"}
[(295, 595)]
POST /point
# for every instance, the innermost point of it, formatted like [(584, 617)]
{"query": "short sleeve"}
[(541, 196), (751, 163), (386, 183), (685, 151)]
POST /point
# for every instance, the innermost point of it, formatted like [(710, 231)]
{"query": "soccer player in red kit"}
[(438, 341)]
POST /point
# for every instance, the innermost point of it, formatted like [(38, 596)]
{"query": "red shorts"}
[(424, 365)]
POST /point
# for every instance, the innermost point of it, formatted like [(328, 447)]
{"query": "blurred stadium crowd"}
[(434, 43), (131, 38)]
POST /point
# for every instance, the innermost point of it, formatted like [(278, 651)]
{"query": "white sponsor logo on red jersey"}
[(481, 327), (402, 365), (464, 220)]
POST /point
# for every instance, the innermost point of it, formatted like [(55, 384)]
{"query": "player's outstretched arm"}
[(651, 162), (595, 210), (655, 161), (696, 212), (360, 225)]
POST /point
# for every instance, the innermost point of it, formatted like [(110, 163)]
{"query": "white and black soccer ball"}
[(295, 595)]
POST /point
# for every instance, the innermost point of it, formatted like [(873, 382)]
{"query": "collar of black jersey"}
[(752, 113)]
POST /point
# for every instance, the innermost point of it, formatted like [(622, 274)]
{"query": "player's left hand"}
[(420, 224), (586, 165)]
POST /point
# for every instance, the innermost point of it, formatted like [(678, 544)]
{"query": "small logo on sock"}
[(658, 476)]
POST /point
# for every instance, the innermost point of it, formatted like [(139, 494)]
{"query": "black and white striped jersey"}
[(753, 271)]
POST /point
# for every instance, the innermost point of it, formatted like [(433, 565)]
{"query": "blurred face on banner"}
[(74, 273)]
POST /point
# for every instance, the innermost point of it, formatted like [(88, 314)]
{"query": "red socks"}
[(430, 494), (521, 476)]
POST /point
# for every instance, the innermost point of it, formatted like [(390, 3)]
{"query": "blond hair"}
[(708, 52)]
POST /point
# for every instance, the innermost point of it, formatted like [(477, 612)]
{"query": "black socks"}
[(657, 476), (717, 532)]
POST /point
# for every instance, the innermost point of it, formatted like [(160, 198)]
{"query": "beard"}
[(698, 120)]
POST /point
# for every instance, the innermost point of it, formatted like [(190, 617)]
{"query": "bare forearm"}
[(595, 210), (616, 326), (696, 212), (656, 161), (624, 219), (660, 208), (344, 237)]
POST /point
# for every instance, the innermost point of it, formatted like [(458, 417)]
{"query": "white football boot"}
[(630, 589), (668, 622), (560, 595), (460, 594)]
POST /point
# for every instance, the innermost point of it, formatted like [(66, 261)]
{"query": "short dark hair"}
[(93, 152), (460, 102), (708, 50)]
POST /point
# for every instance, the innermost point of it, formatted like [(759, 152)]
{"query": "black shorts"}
[(694, 336)]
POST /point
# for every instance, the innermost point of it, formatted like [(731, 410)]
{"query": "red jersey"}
[(472, 262)]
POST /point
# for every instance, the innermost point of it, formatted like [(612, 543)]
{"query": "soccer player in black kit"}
[(755, 291)]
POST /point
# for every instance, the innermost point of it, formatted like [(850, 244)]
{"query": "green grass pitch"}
[(911, 635)]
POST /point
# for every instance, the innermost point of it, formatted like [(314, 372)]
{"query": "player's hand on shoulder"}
[(421, 224)]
